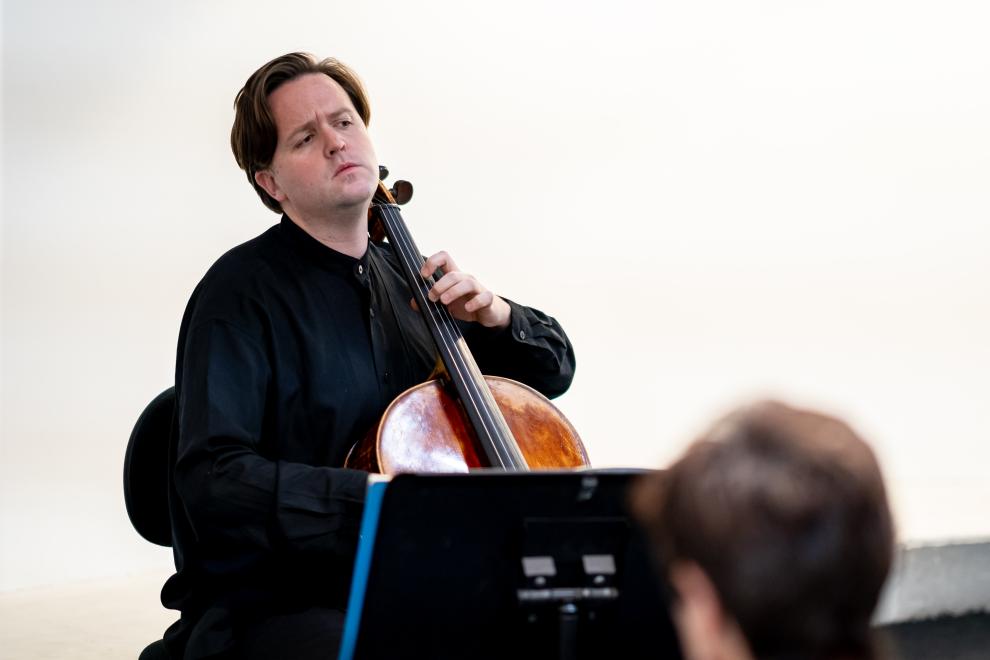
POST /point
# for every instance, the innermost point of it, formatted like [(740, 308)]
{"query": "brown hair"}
[(785, 511), (254, 135)]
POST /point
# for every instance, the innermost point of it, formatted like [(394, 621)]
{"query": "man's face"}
[(324, 162)]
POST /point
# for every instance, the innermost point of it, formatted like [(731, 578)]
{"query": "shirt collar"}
[(324, 256)]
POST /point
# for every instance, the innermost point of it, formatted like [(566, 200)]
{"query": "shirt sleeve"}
[(533, 349), (239, 499)]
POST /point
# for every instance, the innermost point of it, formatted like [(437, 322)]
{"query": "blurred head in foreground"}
[(775, 533)]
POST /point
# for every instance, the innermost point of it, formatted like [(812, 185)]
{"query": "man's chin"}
[(357, 196), (358, 183)]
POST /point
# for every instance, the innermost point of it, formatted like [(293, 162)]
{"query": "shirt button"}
[(522, 334), (371, 310), (360, 269)]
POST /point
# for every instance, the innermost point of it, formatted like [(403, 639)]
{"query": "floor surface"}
[(110, 619), (115, 619)]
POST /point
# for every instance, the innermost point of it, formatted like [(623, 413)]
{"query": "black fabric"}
[(311, 634), (155, 651), (288, 353)]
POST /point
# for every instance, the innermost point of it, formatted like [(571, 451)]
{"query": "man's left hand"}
[(465, 297)]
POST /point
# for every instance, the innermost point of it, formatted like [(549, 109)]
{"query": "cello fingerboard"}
[(493, 433)]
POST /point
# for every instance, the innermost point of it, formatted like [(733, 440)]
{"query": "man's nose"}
[(332, 140)]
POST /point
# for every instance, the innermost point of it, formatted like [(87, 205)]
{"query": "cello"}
[(461, 420)]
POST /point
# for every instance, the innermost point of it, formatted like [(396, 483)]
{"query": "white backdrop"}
[(718, 200)]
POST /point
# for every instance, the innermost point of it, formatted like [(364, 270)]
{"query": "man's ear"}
[(265, 179), (706, 629), (696, 592)]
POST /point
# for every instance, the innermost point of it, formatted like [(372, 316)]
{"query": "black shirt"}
[(288, 353)]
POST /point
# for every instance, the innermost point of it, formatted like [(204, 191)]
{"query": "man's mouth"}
[(344, 168)]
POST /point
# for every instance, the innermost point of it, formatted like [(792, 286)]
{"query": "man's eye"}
[(345, 123), (306, 139)]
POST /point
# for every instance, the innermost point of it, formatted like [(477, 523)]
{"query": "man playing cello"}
[(290, 348)]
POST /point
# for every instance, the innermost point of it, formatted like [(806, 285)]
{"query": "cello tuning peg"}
[(382, 172), (402, 191)]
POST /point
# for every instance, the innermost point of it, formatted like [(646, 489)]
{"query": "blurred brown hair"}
[(786, 512), (254, 135)]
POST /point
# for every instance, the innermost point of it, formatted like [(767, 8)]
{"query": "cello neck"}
[(486, 419)]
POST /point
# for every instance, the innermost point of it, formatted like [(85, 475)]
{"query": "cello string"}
[(407, 254), (449, 333), (480, 396)]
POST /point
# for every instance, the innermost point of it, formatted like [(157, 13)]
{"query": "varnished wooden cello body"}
[(463, 420)]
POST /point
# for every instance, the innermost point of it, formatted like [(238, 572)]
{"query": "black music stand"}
[(504, 565)]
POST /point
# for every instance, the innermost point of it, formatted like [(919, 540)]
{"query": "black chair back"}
[(146, 470)]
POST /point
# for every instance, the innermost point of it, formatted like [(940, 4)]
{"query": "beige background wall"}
[(719, 200)]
